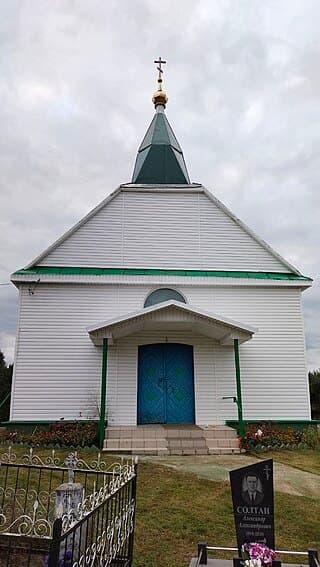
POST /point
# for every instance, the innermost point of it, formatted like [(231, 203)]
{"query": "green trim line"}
[(241, 429), (103, 392), (69, 270)]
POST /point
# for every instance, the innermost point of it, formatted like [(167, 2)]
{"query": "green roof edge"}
[(70, 270)]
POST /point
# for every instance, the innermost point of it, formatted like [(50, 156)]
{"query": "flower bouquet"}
[(257, 555)]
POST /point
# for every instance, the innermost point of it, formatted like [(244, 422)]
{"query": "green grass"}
[(304, 459), (175, 510)]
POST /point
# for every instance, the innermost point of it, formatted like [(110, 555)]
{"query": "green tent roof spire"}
[(160, 159)]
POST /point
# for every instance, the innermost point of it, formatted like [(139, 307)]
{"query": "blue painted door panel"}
[(165, 383), (180, 387), (150, 384)]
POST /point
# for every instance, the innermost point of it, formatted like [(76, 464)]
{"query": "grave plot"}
[(61, 514), (253, 508)]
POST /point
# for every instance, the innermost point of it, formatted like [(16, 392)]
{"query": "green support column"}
[(238, 378), (103, 392)]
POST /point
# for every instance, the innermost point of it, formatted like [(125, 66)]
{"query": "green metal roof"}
[(70, 270), (160, 158)]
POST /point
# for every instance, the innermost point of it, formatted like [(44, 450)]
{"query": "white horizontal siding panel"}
[(226, 246), (161, 230), (98, 242), (185, 230), (58, 369), (274, 377)]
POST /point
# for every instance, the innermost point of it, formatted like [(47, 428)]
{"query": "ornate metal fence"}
[(99, 532)]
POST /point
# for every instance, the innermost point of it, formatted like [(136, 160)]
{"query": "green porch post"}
[(103, 392), (238, 379)]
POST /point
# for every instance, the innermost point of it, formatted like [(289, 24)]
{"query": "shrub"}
[(75, 434), (311, 438), (269, 436)]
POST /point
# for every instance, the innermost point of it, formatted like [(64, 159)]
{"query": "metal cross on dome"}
[(159, 63)]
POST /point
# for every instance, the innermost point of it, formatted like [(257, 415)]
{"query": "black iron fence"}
[(98, 532)]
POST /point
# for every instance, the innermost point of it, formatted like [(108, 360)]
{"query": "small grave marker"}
[(71, 462), (68, 497)]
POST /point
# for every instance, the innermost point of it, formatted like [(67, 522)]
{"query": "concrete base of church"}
[(171, 440)]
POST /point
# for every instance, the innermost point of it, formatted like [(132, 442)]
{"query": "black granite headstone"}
[(253, 505)]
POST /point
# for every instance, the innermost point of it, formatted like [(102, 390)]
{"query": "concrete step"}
[(196, 433), (188, 451), (224, 451), (138, 443), (212, 443), (171, 440), (188, 443), (218, 426), (220, 434), (134, 433), (137, 451)]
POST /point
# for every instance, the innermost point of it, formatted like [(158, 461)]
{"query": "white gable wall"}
[(159, 229), (58, 369)]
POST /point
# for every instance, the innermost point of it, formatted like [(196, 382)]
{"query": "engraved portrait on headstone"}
[(252, 491)]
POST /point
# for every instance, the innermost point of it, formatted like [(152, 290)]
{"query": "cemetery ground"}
[(182, 500)]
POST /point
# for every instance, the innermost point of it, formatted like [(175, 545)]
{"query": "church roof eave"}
[(203, 322)]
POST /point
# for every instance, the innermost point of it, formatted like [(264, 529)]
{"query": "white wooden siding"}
[(58, 369), (153, 229)]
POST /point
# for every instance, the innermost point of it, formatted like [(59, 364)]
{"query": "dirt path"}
[(216, 467)]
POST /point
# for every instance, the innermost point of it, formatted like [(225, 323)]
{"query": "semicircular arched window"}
[(161, 295)]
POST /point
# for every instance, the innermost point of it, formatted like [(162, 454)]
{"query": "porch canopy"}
[(172, 316)]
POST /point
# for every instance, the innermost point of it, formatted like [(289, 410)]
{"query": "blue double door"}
[(165, 383)]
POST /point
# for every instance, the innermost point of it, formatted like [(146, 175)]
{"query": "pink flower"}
[(260, 552)]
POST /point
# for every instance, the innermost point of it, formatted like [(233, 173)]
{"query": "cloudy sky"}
[(243, 82)]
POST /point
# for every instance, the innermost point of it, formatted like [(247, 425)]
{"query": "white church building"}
[(160, 307)]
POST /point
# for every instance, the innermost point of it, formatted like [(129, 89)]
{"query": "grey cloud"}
[(75, 100)]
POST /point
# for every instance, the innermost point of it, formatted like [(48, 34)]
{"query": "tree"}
[(5, 386), (314, 387)]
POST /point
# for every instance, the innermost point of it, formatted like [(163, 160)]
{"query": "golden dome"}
[(159, 97)]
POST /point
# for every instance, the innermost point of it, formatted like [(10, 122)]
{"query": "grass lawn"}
[(176, 509), (304, 459)]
